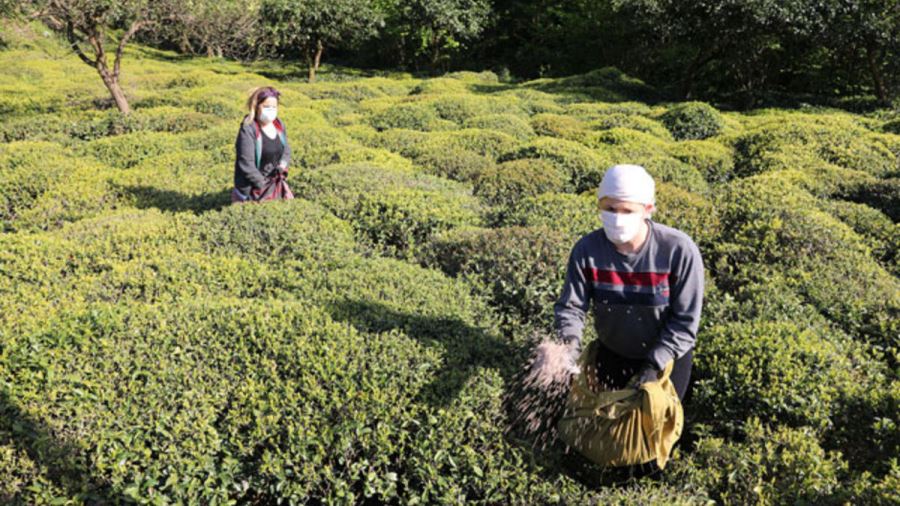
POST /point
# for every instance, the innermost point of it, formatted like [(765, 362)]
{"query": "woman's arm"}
[(245, 147), (285, 161)]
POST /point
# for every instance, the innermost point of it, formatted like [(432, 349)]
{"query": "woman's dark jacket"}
[(248, 174)]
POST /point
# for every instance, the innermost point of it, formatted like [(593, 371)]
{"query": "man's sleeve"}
[(245, 147), (679, 334), (572, 306)]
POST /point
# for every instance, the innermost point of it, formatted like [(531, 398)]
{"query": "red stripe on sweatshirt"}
[(626, 278)]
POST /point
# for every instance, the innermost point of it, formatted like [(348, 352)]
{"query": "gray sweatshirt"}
[(646, 304)]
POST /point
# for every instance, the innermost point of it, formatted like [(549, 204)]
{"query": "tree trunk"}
[(315, 61), (435, 49), (112, 84), (877, 77), (699, 61)]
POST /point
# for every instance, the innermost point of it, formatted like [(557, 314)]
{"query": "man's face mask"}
[(621, 227)]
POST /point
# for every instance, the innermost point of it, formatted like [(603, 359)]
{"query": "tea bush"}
[(291, 230), (459, 108), (532, 101), (575, 214), (401, 141), (583, 167), (769, 222), (396, 210), (693, 120), (124, 151), (835, 140), (438, 86), (714, 160), (43, 186), (412, 116), (881, 234), (590, 111), (506, 123), (224, 414), (632, 121), (624, 145), (777, 371), (483, 142), (504, 185), (687, 212), (559, 125), (774, 465), (521, 268), (452, 162)]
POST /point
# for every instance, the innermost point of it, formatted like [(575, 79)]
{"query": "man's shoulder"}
[(589, 242), (673, 239)]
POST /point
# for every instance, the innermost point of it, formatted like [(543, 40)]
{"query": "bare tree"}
[(91, 26)]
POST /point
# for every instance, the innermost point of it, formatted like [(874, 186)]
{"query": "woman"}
[(263, 153)]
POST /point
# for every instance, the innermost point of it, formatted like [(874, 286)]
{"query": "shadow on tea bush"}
[(883, 195)]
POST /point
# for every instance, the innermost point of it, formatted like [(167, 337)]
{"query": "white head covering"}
[(628, 182)]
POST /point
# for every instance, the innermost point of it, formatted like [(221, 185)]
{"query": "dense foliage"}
[(354, 345), (739, 53)]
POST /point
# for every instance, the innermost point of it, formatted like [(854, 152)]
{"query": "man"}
[(646, 283)]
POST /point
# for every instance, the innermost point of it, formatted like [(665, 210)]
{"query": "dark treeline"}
[(735, 52)]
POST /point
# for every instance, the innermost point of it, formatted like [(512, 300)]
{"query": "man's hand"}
[(554, 363), (647, 374)]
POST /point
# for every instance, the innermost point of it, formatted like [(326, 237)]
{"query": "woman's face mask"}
[(621, 227), (268, 114)]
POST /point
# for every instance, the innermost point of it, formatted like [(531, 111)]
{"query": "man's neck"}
[(635, 244)]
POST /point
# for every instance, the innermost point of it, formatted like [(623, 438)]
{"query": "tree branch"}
[(135, 26), (95, 38), (73, 41)]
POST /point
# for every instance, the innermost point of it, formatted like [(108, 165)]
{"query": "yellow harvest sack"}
[(621, 427)]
